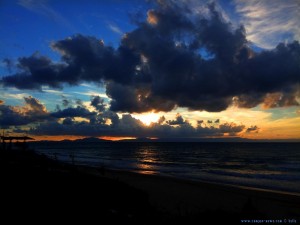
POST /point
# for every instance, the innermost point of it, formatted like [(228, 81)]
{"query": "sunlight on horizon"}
[(147, 118)]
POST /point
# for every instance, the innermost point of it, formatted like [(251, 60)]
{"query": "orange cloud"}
[(151, 17), (33, 107), (110, 138), (277, 99), (285, 128), (56, 138)]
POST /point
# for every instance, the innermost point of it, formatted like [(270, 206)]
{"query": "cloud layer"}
[(128, 126), (104, 123), (33, 111), (175, 58), (268, 21)]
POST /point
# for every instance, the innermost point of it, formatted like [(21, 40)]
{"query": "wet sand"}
[(179, 196), (34, 186)]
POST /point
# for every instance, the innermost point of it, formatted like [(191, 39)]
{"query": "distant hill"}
[(230, 139), (84, 140), (145, 139), (91, 139)]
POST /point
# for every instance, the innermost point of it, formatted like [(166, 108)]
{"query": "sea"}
[(271, 166)]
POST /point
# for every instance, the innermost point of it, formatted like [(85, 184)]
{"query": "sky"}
[(158, 69)]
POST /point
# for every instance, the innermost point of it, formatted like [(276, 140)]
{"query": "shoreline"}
[(195, 181), (149, 198), (156, 186), (270, 176)]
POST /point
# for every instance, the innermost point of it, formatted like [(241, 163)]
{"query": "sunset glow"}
[(116, 138), (147, 118), (165, 75)]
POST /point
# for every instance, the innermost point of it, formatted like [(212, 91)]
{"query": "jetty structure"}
[(7, 142)]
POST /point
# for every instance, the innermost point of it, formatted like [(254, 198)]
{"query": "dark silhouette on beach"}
[(34, 186), (19, 145)]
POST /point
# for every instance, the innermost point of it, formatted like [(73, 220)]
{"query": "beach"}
[(34, 186)]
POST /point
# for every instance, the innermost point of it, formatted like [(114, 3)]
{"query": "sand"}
[(184, 197), (34, 186)]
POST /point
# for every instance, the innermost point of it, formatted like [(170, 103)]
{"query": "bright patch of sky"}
[(268, 22), (27, 26)]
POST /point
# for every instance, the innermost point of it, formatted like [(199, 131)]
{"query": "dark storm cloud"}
[(35, 106), (35, 71), (98, 103), (9, 117), (161, 119), (83, 58), (78, 111), (252, 129), (32, 111), (68, 121), (230, 128), (129, 126), (178, 120), (199, 122), (103, 122), (88, 59), (128, 98), (160, 65)]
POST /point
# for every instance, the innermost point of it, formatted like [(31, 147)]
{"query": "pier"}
[(7, 142)]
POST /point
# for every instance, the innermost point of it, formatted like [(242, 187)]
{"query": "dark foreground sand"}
[(38, 190)]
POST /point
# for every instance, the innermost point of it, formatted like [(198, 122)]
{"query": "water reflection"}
[(147, 158)]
